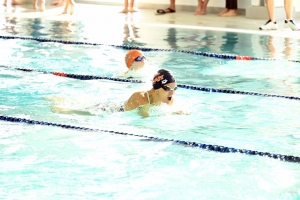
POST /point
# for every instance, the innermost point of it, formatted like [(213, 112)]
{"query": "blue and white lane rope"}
[(191, 87), (208, 147), (199, 53)]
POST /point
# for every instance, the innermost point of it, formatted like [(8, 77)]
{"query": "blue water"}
[(40, 162)]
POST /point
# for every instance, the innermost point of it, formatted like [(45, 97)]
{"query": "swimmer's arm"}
[(136, 100), (177, 109), (144, 111)]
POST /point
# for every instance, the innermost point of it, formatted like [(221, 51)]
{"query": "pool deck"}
[(180, 19)]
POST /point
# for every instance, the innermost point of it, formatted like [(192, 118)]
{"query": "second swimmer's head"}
[(133, 55)]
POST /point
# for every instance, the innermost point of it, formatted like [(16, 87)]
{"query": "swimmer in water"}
[(162, 91), (135, 62)]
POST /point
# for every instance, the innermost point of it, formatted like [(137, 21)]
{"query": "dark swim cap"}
[(162, 77)]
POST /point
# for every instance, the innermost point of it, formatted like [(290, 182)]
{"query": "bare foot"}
[(54, 3), (197, 12), (61, 3), (223, 12), (4, 4), (230, 13), (132, 10), (200, 13), (15, 3), (57, 3), (42, 9), (72, 9), (35, 6), (203, 12), (124, 11)]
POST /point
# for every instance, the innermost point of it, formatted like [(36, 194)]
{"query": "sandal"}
[(164, 11)]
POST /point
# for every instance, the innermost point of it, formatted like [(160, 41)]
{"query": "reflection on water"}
[(131, 35), (230, 41), (171, 38), (36, 27), (154, 37), (65, 29), (275, 49), (9, 26)]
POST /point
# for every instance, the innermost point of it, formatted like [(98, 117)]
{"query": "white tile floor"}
[(104, 13)]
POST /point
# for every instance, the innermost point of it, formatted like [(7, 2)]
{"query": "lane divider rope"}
[(75, 76), (208, 147), (205, 54), (191, 87)]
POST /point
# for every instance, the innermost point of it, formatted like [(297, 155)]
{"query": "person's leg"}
[(13, 2), (172, 4), (58, 107), (233, 5), (226, 8), (271, 9), (204, 6), (66, 7), (42, 4), (198, 10), (125, 10), (288, 6), (57, 3), (61, 3), (72, 5), (232, 9), (35, 6), (271, 23), (131, 6), (289, 23)]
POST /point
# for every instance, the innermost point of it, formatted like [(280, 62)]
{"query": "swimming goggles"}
[(168, 88), (140, 58)]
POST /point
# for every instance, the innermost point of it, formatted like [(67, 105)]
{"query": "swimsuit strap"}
[(148, 97)]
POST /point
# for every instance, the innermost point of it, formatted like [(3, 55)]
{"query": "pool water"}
[(142, 34), (42, 162)]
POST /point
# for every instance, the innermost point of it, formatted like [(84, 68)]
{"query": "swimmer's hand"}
[(144, 111)]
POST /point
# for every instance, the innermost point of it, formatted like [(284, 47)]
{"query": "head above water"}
[(131, 56), (161, 78)]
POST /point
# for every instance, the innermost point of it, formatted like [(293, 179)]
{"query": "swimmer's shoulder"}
[(140, 95), (136, 99)]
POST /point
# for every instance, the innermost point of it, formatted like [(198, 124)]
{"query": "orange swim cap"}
[(131, 55)]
